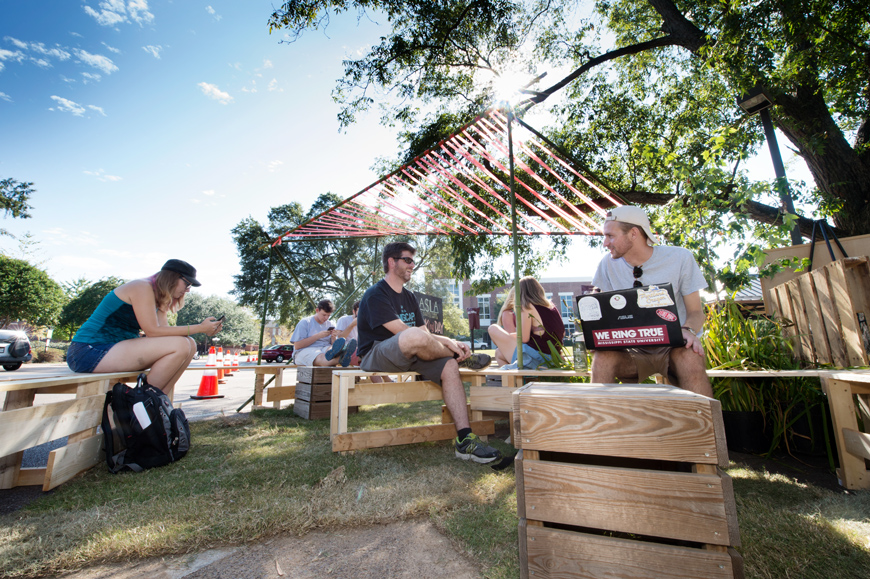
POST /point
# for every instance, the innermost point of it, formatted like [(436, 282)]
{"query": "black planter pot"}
[(744, 431)]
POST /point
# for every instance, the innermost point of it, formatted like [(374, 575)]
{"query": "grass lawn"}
[(255, 476)]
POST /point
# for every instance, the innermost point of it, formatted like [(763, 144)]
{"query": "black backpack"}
[(147, 431)]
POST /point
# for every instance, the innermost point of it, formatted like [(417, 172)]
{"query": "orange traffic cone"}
[(228, 363), (208, 385), (220, 363), (235, 361)]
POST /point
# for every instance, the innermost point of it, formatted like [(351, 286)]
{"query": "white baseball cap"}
[(634, 216)]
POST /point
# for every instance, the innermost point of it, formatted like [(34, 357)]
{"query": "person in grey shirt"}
[(636, 260)]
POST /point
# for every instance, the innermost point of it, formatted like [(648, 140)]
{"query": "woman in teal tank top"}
[(109, 341)]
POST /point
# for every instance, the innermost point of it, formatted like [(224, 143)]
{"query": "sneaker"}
[(348, 353), (472, 448), (335, 350), (477, 362)]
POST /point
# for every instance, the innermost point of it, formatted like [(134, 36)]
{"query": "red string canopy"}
[(462, 187)]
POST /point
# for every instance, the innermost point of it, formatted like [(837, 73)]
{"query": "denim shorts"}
[(84, 358)]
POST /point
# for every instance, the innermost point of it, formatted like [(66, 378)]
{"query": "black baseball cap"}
[(184, 268)]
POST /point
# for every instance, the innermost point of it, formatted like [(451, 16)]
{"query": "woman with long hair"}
[(507, 321), (541, 322), (109, 340)]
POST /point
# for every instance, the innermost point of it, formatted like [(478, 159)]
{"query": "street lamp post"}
[(758, 101)]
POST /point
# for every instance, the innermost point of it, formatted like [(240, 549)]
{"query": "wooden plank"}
[(66, 462), (817, 326), (807, 351), (11, 465), (842, 302), (494, 399), (831, 318), (31, 477), (314, 374), (393, 393), (523, 549), (636, 421), (311, 410), (71, 379), (28, 427), (858, 280), (314, 392), (789, 330), (672, 505), (408, 435), (554, 553), (447, 417), (853, 471), (282, 393), (519, 461), (857, 443)]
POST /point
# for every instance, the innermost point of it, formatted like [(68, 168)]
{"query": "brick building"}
[(560, 290)]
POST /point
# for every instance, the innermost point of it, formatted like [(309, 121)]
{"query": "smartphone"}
[(220, 319)]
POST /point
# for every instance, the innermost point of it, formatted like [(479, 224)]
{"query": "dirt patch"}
[(403, 550)]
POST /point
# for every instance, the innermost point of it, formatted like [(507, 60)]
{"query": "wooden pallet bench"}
[(355, 388), (848, 395), (619, 480), (278, 391), (24, 426)]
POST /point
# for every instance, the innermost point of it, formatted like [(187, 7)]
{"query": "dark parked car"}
[(14, 349), (278, 353)]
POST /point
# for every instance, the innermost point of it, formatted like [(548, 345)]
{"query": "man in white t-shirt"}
[(316, 340), (634, 261), (346, 327)]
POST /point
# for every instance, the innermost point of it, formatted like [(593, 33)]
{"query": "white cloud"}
[(253, 87), (274, 165), (99, 110), (69, 106), (5, 97), (56, 52), (273, 86), (102, 176), (267, 63), (208, 192), (90, 77), (98, 61), (153, 50), (12, 56), (112, 48), (60, 236), (211, 11), (41, 62), (213, 92), (16, 42), (114, 12)]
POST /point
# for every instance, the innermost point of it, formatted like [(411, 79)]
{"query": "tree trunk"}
[(840, 173)]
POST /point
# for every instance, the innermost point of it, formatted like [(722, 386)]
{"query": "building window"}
[(566, 307), (456, 290), (483, 304)]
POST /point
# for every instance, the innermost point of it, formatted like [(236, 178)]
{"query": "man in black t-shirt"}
[(394, 338)]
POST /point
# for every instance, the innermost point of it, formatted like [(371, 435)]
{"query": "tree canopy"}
[(239, 327), (650, 105), (14, 198), (28, 294)]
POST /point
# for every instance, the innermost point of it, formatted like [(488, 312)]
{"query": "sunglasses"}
[(638, 272), (408, 260)]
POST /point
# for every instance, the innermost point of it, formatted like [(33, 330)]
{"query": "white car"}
[(478, 344)]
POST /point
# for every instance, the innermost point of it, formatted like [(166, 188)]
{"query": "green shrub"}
[(41, 354)]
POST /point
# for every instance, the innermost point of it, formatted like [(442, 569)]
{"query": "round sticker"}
[(617, 302)]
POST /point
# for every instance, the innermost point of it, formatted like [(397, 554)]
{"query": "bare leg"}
[(167, 356), (420, 343), (321, 360), (453, 393), (608, 365), (505, 342), (690, 369), (500, 359)]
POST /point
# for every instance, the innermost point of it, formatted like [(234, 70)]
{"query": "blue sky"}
[(151, 128)]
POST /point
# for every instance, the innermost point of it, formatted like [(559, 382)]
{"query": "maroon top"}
[(554, 330)]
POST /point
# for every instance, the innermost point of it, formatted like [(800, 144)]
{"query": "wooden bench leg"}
[(279, 381), (338, 406), (853, 470), (10, 465), (259, 380)]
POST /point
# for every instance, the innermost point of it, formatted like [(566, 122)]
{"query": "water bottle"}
[(579, 352)]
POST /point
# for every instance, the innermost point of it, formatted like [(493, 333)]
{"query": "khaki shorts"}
[(649, 361), (306, 356), (387, 357)]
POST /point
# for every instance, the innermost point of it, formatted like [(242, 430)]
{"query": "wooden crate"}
[(312, 410), (315, 374), (830, 307), (623, 481), (314, 392)]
